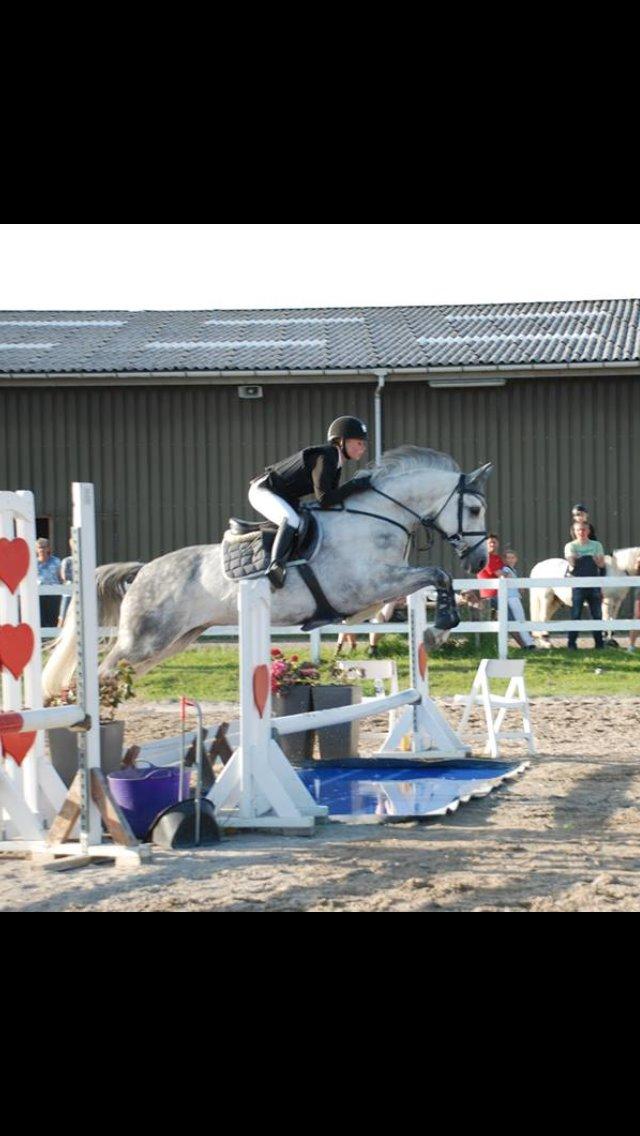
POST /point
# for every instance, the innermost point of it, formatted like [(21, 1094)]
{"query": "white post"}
[(417, 614), (503, 618), (84, 575), (11, 687), (254, 607), (32, 683)]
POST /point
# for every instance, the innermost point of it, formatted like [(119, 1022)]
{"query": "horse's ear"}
[(478, 479)]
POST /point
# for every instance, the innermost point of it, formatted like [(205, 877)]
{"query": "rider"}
[(316, 470)]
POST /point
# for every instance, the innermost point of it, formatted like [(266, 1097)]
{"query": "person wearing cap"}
[(580, 514), (48, 573), (314, 471), (585, 557)]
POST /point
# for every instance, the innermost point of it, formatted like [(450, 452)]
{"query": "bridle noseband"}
[(457, 539), (430, 523)]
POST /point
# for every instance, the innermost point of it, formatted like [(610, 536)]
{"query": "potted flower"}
[(291, 683), (63, 744)]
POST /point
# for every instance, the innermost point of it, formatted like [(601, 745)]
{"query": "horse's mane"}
[(407, 459), (625, 559)]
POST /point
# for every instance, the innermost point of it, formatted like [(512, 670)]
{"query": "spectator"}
[(579, 513), (635, 635), (586, 558), (385, 615), (516, 610), (493, 569), (66, 575), (48, 574)]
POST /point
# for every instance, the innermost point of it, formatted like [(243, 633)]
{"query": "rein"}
[(430, 523)]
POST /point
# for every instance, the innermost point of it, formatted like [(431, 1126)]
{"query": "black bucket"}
[(175, 828)]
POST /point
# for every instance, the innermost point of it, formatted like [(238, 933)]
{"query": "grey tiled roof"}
[(327, 339)]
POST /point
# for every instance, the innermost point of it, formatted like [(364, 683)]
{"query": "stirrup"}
[(277, 574)]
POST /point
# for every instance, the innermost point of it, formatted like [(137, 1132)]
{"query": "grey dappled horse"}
[(361, 564)]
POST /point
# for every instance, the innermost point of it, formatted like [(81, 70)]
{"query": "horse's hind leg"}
[(143, 658)]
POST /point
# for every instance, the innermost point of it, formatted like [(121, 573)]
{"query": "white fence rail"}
[(502, 626)]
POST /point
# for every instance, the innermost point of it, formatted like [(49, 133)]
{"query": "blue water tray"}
[(379, 789)]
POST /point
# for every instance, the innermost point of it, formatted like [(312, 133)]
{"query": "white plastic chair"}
[(515, 699)]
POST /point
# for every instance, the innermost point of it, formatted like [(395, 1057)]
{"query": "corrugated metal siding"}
[(171, 465), (553, 442)]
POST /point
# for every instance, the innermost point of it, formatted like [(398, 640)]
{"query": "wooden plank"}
[(115, 821), (67, 818), (48, 863)]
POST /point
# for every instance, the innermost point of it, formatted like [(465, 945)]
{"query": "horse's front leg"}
[(417, 578), (446, 608)]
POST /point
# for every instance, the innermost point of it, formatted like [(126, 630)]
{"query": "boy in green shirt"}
[(585, 558)]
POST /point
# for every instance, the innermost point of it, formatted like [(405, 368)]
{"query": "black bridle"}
[(430, 523)]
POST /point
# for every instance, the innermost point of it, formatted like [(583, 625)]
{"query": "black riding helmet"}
[(347, 427)]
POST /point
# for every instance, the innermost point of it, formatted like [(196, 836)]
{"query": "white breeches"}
[(272, 507)]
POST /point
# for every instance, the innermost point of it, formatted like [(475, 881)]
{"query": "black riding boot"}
[(280, 553), (446, 610)]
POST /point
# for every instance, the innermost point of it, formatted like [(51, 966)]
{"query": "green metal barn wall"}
[(553, 443), (170, 465)]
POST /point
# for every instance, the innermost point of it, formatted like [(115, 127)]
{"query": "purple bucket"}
[(143, 793)]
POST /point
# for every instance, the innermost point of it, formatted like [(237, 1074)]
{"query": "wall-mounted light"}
[(249, 392), (464, 384)]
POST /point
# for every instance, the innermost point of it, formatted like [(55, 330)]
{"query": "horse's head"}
[(430, 487), (461, 519)]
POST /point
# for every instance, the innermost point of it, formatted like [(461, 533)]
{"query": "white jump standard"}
[(258, 787), (38, 815)]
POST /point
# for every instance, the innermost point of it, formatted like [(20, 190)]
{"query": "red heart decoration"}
[(261, 687), (17, 746), (14, 562), (16, 647)]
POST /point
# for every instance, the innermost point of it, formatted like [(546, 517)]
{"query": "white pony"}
[(545, 602)]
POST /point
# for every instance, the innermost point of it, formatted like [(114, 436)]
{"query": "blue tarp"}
[(381, 790)]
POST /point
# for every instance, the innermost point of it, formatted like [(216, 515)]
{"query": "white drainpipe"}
[(382, 378)]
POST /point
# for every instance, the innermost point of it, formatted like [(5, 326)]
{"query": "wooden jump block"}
[(115, 822)]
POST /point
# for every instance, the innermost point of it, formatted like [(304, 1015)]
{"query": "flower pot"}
[(337, 741), (63, 748), (297, 700)]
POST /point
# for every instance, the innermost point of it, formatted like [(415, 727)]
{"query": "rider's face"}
[(355, 449)]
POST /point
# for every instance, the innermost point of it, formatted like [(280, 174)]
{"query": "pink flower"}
[(276, 653)]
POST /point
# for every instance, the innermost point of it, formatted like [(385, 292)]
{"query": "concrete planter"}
[(297, 748), (337, 741)]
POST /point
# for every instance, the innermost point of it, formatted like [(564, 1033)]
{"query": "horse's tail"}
[(112, 582)]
